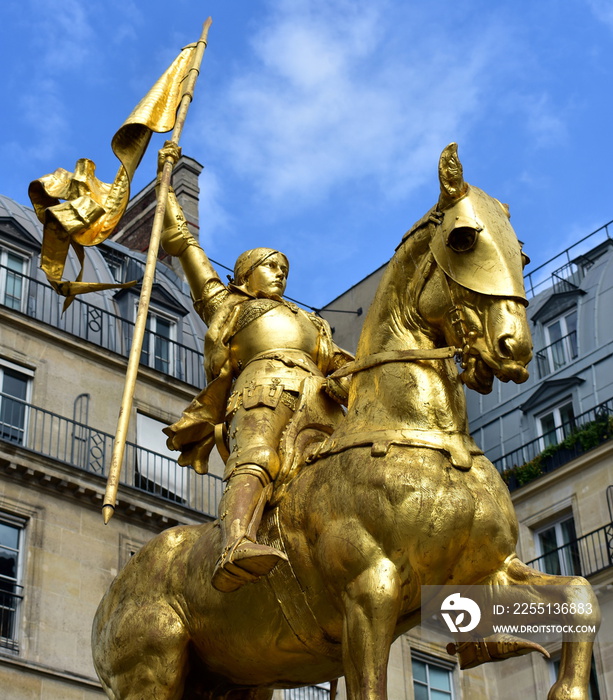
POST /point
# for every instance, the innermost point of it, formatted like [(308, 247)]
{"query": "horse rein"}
[(382, 358)]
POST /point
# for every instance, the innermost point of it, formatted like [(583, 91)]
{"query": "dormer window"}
[(159, 342), (12, 281), (162, 349)]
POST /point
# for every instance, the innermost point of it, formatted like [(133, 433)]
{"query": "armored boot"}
[(242, 559)]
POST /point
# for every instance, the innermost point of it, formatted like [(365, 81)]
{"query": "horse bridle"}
[(382, 358), (457, 317)]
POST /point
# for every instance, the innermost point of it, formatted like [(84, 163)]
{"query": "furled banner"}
[(91, 209)]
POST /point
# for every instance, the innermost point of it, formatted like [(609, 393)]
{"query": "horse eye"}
[(462, 239)]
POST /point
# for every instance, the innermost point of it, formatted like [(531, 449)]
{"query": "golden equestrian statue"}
[(397, 496)]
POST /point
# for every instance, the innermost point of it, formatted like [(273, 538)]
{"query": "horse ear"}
[(451, 177)]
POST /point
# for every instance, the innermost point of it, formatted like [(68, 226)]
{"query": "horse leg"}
[(573, 678), (131, 670), (371, 605)]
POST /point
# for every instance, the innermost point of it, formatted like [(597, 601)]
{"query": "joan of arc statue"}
[(258, 350)]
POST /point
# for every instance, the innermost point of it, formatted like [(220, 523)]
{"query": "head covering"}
[(476, 246), (249, 260)]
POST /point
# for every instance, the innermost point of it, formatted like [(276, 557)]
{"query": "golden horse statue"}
[(398, 497)]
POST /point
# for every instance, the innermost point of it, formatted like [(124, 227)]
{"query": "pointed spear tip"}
[(107, 512)]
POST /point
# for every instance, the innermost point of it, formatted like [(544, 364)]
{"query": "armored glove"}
[(176, 236)]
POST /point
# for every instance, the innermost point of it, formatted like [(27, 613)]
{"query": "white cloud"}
[(546, 125), (45, 112), (64, 43), (61, 37), (129, 21), (603, 11), (212, 216), (64, 33), (335, 94)]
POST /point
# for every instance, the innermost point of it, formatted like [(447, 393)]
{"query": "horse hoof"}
[(562, 691), (498, 647)]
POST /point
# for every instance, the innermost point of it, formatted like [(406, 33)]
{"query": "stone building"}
[(551, 440), (61, 381)]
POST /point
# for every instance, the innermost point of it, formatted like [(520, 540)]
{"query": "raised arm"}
[(207, 289)]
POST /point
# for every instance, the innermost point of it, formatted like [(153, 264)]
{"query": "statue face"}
[(270, 277)]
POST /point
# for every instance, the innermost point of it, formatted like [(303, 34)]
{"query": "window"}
[(558, 549), (432, 679), (158, 343), (157, 470), (556, 424), (321, 691), (115, 262), (14, 388), (561, 338), (12, 282), (11, 592)]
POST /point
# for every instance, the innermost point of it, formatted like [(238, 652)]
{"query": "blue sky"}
[(320, 122)]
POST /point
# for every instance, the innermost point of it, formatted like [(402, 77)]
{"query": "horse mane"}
[(412, 262)]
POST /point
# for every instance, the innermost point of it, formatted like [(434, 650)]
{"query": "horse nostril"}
[(506, 346)]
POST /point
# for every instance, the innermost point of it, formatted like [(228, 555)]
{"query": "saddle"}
[(316, 417)]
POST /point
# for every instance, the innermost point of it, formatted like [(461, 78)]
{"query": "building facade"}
[(61, 381)]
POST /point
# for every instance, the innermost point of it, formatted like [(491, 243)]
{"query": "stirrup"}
[(243, 562)]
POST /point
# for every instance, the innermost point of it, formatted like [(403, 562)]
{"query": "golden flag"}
[(92, 209)]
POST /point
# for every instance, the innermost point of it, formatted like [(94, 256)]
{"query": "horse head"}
[(481, 276)]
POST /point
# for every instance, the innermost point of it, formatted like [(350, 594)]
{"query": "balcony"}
[(39, 301), (558, 354), (584, 556), (11, 596), (85, 448), (562, 273), (536, 458)]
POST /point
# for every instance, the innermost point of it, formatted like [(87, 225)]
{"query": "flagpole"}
[(110, 495)]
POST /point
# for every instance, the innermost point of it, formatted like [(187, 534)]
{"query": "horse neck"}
[(424, 395)]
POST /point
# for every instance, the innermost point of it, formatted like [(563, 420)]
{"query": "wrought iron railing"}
[(81, 446), (311, 692), (11, 595), (109, 331), (556, 355), (585, 556), (587, 430), (560, 272)]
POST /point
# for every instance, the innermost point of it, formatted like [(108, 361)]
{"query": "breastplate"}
[(278, 327)]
